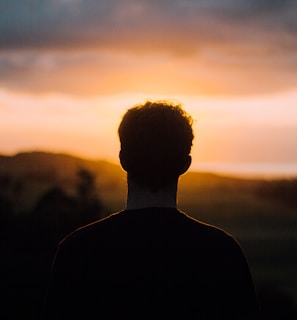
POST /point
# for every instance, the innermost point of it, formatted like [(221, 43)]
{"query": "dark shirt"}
[(150, 263)]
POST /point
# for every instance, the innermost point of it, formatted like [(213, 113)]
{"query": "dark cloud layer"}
[(71, 23), (255, 36)]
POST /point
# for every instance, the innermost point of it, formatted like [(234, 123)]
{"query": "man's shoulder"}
[(124, 227), (205, 228), (202, 231), (89, 232)]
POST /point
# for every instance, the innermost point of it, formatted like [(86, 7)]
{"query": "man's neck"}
[(140, 197)]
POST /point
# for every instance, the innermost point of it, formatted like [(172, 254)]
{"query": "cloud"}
[(219, 45), (73, 23)]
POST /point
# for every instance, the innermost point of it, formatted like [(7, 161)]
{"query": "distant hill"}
[(29, 175), (33, 173), (61, 164), (66, 165), (36, 172), (63, 167)]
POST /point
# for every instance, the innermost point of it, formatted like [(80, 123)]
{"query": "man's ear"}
[(186, 165), (123, 160)]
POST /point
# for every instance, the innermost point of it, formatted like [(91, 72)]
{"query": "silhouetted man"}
[(151, 261)]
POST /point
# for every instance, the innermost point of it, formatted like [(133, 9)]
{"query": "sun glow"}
[(226, 129)]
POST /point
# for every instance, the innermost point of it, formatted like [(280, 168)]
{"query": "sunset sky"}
[(70, 68)]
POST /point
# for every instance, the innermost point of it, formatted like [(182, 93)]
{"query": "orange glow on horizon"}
[(226, 129)]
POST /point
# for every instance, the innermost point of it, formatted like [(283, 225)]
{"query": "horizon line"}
[(249, 169)]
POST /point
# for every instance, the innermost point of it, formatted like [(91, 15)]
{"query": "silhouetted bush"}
[(62, 213)]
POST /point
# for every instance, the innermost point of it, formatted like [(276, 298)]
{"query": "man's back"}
[(152, 262)]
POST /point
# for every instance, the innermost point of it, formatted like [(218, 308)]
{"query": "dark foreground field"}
[(45, 196)]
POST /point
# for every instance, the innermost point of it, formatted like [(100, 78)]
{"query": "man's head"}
[(156, 140)]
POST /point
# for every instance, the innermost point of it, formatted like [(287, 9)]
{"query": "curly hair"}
[(156, 138)]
